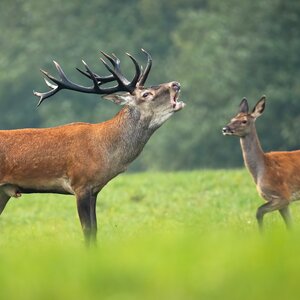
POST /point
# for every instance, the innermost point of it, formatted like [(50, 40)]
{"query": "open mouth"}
[(177, 105)]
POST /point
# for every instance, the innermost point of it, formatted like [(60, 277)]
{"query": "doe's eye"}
[(244, 122)]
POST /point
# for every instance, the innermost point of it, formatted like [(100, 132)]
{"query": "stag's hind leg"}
[(3, 201), (86, 207)]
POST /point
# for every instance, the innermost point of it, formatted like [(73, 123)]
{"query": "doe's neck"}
[(253, 154)]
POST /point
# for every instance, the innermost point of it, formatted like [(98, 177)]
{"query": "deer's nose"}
[(176, 86), (225, 129)]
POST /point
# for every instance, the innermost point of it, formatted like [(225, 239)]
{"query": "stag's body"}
[(99, 151), (81, 158), (276, 174)]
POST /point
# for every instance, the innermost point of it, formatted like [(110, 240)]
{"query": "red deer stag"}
[(81, 158), (276, 174)]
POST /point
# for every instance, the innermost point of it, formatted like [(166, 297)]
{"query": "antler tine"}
[(103, 79), (137, 71), (118, 77), (116, 71), (50, 93), (114, 61), (92, 76), (145, 73), (55, 88), (100, 79), (96, 87)]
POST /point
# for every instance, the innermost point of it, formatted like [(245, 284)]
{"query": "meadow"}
[(184, 235)]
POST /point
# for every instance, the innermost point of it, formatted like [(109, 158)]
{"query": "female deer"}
[(276, 174)]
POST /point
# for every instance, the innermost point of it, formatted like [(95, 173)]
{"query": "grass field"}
[(186, 235)]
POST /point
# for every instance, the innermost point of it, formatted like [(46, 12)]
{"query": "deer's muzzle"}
[(177, 105), (227, 130)]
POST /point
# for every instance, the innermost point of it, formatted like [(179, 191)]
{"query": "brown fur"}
[(283, 172)]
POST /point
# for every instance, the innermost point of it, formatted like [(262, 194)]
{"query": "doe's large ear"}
[(259, 107), (244, 107), (120, 99)]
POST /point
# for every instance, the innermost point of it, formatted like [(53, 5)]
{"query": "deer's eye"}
[(146, 94), (244, 122)]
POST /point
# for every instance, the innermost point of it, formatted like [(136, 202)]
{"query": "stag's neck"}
[(253, 154), (133, 132)]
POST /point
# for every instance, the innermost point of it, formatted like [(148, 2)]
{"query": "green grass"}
[(186, 235)]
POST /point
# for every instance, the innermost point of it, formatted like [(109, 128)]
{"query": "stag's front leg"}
[(86, 207)]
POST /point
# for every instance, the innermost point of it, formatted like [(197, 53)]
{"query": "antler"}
[(145, 73), (116, 75)]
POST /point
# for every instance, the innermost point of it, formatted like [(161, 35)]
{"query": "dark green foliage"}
[(220, 51)]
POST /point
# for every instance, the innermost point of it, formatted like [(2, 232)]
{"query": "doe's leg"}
[(285, 213), (269, 207)]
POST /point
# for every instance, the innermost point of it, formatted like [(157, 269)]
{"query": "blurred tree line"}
[(220, 51)]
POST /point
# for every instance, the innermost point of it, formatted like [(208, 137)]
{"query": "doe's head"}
[(241, 124)]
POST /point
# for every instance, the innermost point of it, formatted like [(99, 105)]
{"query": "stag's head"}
[(242, 124), (156, 102)]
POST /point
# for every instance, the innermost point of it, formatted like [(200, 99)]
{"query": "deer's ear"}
[(120, 99), (259, 107), (244, 107)]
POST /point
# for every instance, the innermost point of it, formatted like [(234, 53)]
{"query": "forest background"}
[(220, 52)]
